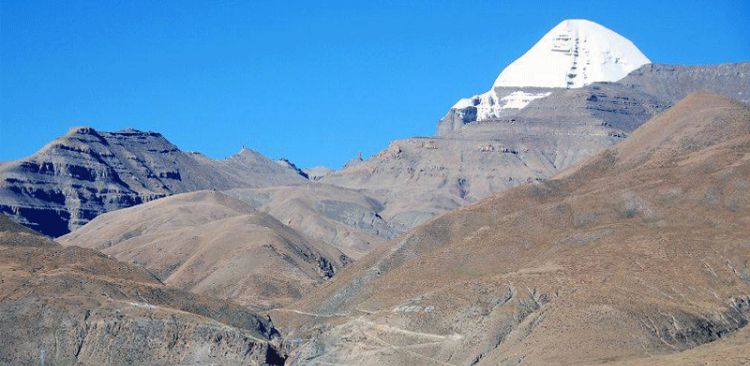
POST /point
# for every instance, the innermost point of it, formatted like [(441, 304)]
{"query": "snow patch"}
[(142, 305), (490, 104), (413, 309), (519, 99)]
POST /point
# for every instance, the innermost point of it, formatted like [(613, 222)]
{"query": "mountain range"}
[(87, 172), (590, 208), (640, 250)]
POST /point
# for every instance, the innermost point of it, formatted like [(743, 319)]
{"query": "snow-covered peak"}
[(573, 54)]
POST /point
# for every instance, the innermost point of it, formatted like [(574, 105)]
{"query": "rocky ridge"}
[(87, 172)]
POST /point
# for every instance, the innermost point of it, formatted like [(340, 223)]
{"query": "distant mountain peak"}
[(81, 130), (246, 151), (247, 154), (355, 161), (574, 53)]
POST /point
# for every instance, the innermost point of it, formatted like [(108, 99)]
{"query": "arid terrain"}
[(208, 243), (641, 250), (70, 305), (590, 208)]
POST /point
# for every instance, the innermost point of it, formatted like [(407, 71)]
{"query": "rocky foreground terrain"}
[(75, 306), (640, 251)]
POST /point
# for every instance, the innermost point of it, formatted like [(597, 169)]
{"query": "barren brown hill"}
[(213, 244), (730, 350), (70, 305), (641, 254), (12, 234), (344, 218)]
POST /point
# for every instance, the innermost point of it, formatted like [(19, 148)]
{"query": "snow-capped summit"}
[(573, 54)]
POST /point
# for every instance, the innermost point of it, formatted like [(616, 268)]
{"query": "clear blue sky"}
[(314, 82)]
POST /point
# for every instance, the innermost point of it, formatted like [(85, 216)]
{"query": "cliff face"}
[(86, 172)]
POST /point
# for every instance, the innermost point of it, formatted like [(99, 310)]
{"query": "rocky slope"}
[(730, 350), (419, 178), (208, 243), (87, 172), (74, 306), (343, 218), (640, 251)]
